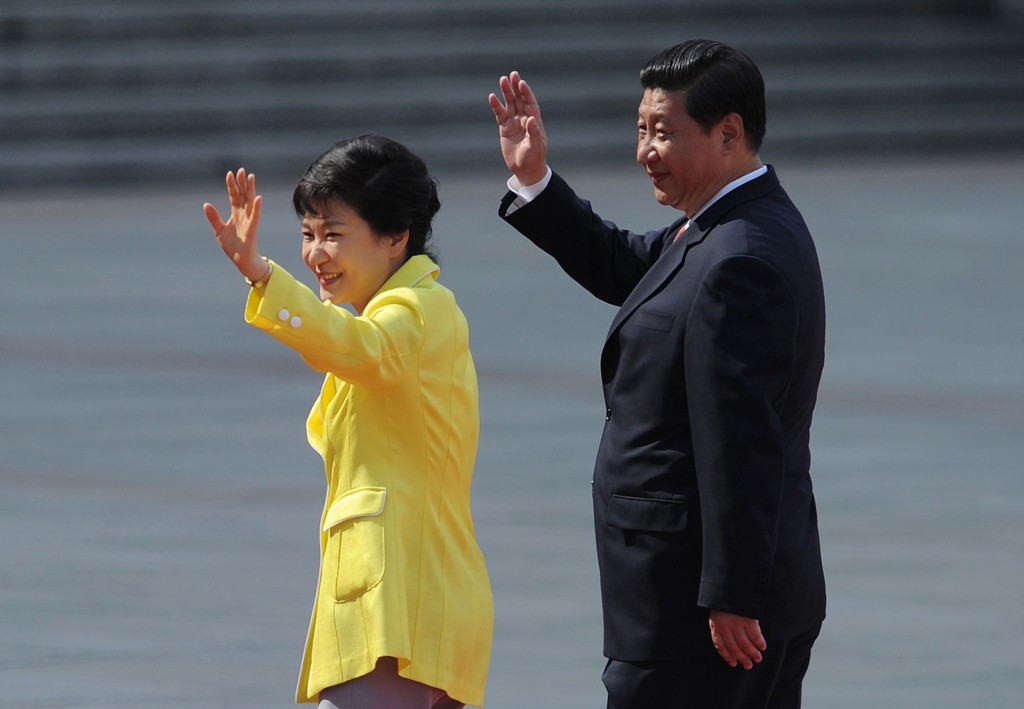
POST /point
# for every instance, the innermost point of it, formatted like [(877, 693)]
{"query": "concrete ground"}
[(158, 502)]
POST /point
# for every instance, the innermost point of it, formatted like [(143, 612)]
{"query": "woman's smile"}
[(327, 279), (349, 259)]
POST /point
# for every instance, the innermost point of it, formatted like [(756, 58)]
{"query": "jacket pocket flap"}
[(645, 514), (653, 319), (360, 502)]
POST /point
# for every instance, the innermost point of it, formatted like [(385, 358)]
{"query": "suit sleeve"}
[(601, 257), (739, 355), (370, 350)]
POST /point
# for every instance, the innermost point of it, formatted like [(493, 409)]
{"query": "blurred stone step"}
[(109, 91)]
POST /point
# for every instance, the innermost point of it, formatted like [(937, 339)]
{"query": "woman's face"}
[(350, 260)]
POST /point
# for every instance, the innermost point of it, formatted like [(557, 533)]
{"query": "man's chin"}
[(668, 201)]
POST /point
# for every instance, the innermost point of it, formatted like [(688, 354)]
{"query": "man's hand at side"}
[(738, 639)]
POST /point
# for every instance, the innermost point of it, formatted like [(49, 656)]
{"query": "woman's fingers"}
[(213, 216)]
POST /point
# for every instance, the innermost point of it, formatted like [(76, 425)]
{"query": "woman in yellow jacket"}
[(403, 614)]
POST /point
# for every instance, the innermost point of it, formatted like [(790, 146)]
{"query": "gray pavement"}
[(158, 502)]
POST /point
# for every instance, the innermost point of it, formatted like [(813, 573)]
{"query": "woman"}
[(403, 610)]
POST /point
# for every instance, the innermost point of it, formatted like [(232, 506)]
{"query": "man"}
[(707, 539)]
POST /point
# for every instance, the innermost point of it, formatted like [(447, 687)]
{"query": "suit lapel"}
[(674, 254), (660, 273)]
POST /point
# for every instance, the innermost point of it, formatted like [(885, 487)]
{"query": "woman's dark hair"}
[(383, 181), (718, 80)]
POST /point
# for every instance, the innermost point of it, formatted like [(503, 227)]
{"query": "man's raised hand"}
[(524, 144)]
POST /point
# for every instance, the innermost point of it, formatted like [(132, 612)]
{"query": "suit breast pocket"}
[(354, 556), (653, 320)]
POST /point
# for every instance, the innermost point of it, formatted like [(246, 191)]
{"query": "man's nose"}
[(645, 153)]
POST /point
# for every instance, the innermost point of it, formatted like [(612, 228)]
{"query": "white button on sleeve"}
[(284, 314), (296, 321)]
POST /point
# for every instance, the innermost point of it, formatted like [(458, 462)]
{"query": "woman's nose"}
[(316, 253)]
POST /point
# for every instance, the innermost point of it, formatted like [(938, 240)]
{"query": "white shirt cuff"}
[(528, 193)]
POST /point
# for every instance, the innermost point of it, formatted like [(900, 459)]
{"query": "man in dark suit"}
[(707, 537)]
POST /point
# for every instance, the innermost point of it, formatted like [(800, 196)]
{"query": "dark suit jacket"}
[(702, 492)]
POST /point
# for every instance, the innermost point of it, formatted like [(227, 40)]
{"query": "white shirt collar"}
[(753, 175)]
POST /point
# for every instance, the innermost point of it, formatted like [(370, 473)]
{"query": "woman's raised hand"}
[(237, 236)]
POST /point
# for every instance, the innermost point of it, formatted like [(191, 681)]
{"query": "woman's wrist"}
[(262, 273)]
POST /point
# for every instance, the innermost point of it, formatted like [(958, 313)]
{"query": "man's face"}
[(681, 159)]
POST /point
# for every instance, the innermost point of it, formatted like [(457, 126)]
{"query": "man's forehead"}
[(661, 102)]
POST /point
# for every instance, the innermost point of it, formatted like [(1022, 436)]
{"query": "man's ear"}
[(731, 133)]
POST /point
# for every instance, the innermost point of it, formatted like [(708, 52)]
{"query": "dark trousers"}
[(709, 683)]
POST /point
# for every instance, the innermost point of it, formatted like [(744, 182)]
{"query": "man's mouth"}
[(657, 177), (327, 278)]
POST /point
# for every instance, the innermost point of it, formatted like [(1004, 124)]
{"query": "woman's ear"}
[(398, 243)]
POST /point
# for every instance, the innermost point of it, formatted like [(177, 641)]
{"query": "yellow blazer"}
[(397, 423)]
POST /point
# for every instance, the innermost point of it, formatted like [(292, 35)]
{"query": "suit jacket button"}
[(607, 414)]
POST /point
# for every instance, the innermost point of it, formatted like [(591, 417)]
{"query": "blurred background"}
[(123, 92), (158, 501)]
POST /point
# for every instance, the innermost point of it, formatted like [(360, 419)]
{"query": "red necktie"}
[(681, 230)]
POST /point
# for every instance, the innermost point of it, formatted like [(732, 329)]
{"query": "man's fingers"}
[(517, 100), (527, 93), (739, 641), (722, 646), (747, 654), (756, 638), (518, 95), (727, 656), (514, 82), (508, 94), (738, 653), (499, 109)]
